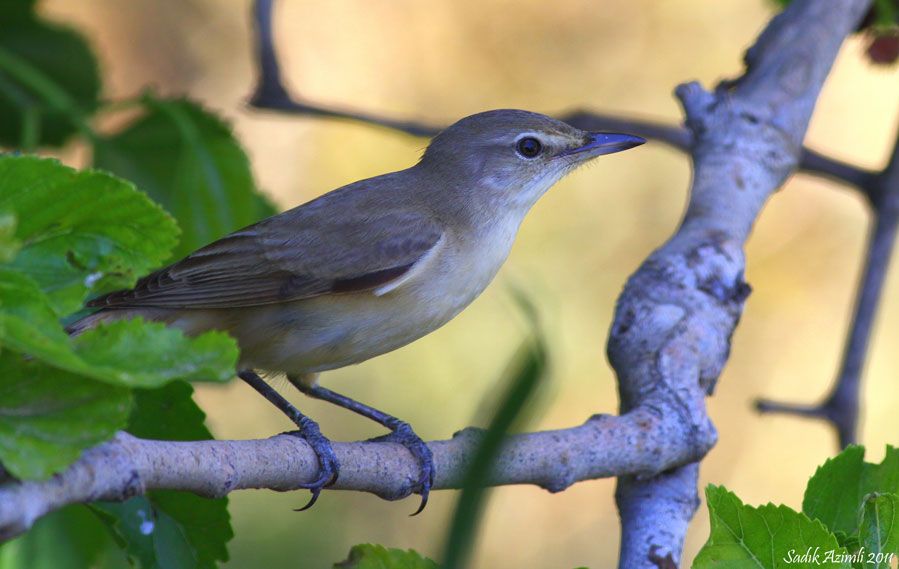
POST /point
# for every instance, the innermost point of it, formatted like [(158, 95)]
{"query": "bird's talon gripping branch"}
[(329, 466), (404, 435), (400, 431), (308, 430)]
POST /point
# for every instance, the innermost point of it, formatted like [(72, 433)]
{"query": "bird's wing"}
[(299, 254)]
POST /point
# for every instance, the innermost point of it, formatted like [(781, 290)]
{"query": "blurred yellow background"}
[(440, 60)]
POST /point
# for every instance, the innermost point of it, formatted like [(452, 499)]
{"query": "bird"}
[(366, 268)]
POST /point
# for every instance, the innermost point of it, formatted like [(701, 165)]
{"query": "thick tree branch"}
[(641, 444), (671, 335)]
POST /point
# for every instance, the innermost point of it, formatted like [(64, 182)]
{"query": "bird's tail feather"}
[(84, 324)]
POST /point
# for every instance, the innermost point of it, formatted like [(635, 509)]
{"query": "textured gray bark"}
[(604, 446), (671, 335)]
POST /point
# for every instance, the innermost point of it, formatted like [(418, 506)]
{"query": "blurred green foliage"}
[(186, 159), (523, 378), (169, 529), (71, 538), (49, 79), (371, 556)]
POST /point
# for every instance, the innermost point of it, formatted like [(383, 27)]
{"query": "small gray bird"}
[(369, 267)]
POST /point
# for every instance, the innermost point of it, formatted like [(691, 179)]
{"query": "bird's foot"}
[(329, 467), (404, 435)]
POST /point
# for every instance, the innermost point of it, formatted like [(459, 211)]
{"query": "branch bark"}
[(641, 444), (671, 335)]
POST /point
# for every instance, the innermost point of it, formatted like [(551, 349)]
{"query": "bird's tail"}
[(84, 324)]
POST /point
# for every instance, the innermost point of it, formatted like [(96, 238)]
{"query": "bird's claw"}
[(404, 435), (329, 467)]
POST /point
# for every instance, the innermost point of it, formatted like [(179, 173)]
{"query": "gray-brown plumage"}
[(290, 257), (371, 266)]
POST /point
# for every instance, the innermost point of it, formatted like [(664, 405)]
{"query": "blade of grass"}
[(525, 373)]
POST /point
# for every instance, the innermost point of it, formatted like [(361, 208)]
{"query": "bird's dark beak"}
[(599, 143)]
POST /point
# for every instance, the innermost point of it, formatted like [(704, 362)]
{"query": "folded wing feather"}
[(289, 257)]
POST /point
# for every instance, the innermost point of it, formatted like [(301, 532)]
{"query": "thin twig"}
[(272, 94), (674, 136), (858, 178), (841, 407)]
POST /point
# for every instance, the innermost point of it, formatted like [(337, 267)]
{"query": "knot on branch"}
[(674, 321), (132, 483), (729, 130)]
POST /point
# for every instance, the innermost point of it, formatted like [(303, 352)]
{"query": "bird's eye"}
[(529, 147)]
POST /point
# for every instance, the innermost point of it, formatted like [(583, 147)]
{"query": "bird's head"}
[(513, 157)]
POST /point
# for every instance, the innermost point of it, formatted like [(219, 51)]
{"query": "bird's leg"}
[(401, 432), (329, 468)]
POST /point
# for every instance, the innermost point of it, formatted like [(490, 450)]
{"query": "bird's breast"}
[(461, 271)]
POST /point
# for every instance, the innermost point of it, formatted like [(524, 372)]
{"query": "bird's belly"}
[(329, 332)]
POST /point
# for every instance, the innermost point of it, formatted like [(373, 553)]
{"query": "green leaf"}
[(886, 15), (850, 542), (9, 245), (48, 417), (78, 229), (148, 354), (879, 530), (372, 556), (49, 80), (81, 230), (192, 531), (170, 530), (835, 492), (71, 538), (28, 324), (131, 353), (203, 526), (187, 159), (16, 10), (768, 536), (46, 414), (167, 413)]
